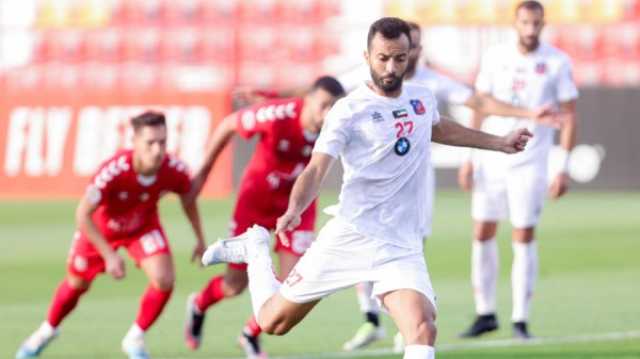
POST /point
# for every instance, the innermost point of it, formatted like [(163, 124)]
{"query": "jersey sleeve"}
[(566, 89), (484, 79), (103, 182), (335, 133), (435, 118), (451, 91), (178, 176)]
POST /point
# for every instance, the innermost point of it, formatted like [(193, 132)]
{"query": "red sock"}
[(210, 294), (252, 328), (151, 305), (64, 300)]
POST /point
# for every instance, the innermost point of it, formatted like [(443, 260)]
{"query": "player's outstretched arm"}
[(489, 105), (448, 132), (113, 262), (221, 136), (465, 172), (568, 133), (192, 212), (304, 191)]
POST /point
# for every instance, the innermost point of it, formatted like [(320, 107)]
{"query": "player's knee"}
[(164, 281), (78, 283), (276, 326)]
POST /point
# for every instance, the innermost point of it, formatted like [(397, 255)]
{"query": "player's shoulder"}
[(417, 90), (173, 163), (279, 109), (113, 168), (553, 53), (499, 50)]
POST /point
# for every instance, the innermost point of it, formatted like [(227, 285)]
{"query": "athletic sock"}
[(523, 277), (262, 280), (484, 275), (373, 318), (415, 351), (64, 300), (367, 303), (251, 328), (210, 294), (151, 305)]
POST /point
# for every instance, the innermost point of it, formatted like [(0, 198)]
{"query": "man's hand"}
[(198, 251), (559, 186), (287, 222), (515, 141), (465, 176), (115, 265)]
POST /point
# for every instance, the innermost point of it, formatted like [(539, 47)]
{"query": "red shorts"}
[(251, 209), (85, 261)]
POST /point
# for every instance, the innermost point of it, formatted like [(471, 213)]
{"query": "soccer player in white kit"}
[(527, 73), (448, 91), (382, 133)]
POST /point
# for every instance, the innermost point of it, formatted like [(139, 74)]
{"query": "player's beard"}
[(529, 42), (394, 85)]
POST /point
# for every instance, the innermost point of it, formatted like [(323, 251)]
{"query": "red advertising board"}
[(51, 142)]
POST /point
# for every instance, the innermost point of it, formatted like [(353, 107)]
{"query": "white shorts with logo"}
[(518, 192), (341, 257)]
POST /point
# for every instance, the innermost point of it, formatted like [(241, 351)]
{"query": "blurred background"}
[(73, 71)]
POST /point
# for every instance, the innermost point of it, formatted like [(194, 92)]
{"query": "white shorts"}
[(341, 257), (518, 192)]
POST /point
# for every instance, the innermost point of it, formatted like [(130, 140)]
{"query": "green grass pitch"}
[(589, 285)]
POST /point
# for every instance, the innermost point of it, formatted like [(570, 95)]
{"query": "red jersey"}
[(127, 201), (284, 148)]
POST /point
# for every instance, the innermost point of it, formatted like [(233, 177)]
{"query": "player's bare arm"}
[(191, 210), (305, 190), (113, 262), (560, 184), (219, 140), (448, 132), (465, 173), (489, 105)]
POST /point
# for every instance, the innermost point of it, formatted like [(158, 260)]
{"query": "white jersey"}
[(384, 145), (443, 88), (526, 80)]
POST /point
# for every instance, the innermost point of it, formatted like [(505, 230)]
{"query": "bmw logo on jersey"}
[(402, 146)]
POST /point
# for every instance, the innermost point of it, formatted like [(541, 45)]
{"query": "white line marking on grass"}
[(481, 344)]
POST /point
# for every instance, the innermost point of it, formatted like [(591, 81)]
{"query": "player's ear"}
[(365, 54)]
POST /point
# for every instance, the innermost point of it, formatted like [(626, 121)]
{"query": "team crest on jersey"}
[(418, 107), (541, 68), (401, 113), (402, 146), (377, 117)]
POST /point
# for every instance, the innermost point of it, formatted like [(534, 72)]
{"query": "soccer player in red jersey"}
[(119, 209), (287, 130)]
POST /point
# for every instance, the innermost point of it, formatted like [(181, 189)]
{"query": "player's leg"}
[(83, 265), (527, 191), (151, 252), (489, 204), (414, 315)]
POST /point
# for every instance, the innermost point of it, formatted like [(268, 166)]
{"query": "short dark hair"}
[(414, 26), (390, 28), (148, 118), (329, 84), (531, 5)]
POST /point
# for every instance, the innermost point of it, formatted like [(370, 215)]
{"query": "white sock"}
[(484, 275), (134, 333), (523, 277), (367, 303), (45, 330), (415, 351), (263, 283)]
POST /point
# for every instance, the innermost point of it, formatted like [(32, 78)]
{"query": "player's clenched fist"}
[(287, 222), (115, 266), (516, 141)]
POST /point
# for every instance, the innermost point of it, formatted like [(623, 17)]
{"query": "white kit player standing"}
[(382, 133), (527, 73)]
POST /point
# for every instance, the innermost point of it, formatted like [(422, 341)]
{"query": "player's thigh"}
[(278, 315), (527, 189), (414, 315)]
